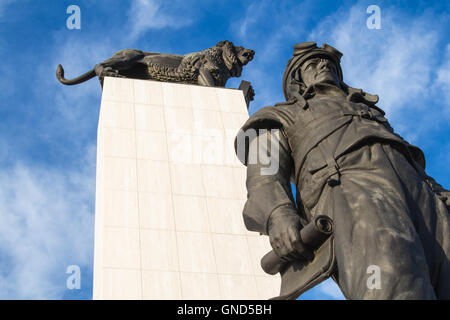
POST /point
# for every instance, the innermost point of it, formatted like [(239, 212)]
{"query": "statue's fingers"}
[(299, 247), (291, 257), (288, 249), (277, 246), (290, 253), (294, 237), (302, 250), (295, 256), (281, 246)]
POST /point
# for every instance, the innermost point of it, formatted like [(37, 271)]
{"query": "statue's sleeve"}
[(268, 191)]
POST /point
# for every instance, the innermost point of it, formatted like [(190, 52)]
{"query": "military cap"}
[(304, 51)]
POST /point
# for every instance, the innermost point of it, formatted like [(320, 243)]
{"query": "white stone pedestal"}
[(169, 197)]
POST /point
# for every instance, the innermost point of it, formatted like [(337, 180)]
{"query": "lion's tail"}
[(84, 77)]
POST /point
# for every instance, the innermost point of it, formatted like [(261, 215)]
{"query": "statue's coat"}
[(346, 162)]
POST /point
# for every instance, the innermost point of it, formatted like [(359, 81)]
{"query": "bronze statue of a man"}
[(338, 149)]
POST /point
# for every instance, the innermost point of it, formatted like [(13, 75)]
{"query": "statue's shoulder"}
[(279, 115), (270, 117), (265, 118)]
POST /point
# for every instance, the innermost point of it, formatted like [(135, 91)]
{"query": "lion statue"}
[(211, 67)]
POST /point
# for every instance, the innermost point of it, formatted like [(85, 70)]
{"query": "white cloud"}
[(152, 14), (47, 212), (76, 108), (47, 224), (443, 77), (398, 63), (255, 12), (269, 29)]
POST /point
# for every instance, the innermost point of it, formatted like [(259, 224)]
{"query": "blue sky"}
[(48, 131)]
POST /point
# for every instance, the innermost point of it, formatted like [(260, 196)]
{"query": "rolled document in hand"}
[(313, 235)]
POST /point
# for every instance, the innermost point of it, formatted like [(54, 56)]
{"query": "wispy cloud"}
[(145, 15), (270, 29), (46, 208), (79, 104), (44, 212), (254, 14), (397, 62), (443, 78)]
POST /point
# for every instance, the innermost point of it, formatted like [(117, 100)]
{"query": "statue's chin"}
[(330, 82), (326, 78)]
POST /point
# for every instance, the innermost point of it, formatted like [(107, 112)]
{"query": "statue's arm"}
[(267, 192), (270, 208)]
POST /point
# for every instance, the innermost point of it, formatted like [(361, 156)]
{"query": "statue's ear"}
[(297, 82), (295, 90), (223, 43)]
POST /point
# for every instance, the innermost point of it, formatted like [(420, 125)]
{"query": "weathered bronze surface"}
[(347, 163), (211, 67)]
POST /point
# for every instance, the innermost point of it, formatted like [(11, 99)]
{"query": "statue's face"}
[(245, 55), (319, 70)]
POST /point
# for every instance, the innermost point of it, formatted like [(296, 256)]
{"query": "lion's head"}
[(235, 57), (245, 55)]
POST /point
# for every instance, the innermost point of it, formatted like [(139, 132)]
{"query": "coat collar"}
[(323, 89), (346, 92)]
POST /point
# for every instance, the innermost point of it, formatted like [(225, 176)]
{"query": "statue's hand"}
[(284, 234)]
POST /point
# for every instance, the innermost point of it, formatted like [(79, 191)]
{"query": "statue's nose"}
[(324, 63)]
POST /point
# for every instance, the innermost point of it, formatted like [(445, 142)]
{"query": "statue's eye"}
[(310, 65)]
